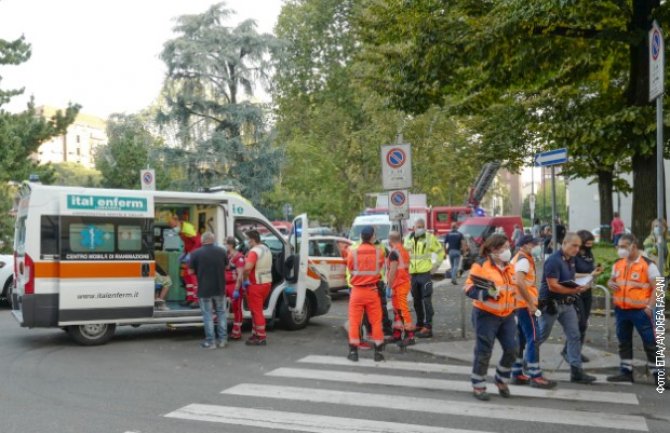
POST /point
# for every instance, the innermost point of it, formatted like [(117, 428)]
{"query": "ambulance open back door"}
[(300, 244)]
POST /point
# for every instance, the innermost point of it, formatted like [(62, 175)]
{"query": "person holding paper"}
[(557, 297), (491, 286), (586, 271), (632, 284), (526, 315)]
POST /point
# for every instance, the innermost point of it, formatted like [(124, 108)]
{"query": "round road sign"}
[(148, 177), (396, 157), (655, 44), (398, 198)]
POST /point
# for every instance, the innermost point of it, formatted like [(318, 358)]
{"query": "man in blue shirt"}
[(557, 303), (454, 244)]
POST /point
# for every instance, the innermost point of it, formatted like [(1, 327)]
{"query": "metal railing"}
[(608, 311)]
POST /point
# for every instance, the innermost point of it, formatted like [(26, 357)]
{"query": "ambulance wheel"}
[(92, 334), (294, 320)]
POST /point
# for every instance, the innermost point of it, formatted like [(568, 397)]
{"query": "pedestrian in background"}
[(659, 229), (557, 302), (421, 246), (535, 231), (547, 244), (560, 231), (209, 265), (492, 314), (527, 324), (618, 228), (516, 234), (454, 244)]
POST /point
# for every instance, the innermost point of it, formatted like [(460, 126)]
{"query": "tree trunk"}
[(644, 166), (644, 194), (605, 189)]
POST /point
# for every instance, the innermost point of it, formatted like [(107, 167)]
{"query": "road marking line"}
[(446, 407), (304, 422), (451, 385), (426, 367)]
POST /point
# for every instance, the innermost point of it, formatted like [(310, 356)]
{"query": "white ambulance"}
[(85, 258)]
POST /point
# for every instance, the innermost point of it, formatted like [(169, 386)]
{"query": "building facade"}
[(78, 144)]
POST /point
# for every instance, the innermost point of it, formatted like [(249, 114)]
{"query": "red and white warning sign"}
[(399, 204), (396, 166)]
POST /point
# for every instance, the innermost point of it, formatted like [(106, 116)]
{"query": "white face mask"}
[(657, 231), (176, 229), (419, 232), (623, 253), (505, 256)]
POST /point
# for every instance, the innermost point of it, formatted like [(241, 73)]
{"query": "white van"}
[(381, 223), (86, 258)]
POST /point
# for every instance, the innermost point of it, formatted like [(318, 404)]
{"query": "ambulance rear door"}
[(300, 244), (107, 267)]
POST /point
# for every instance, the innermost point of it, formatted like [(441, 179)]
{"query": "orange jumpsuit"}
[(364, 264), (400, 285), (256, 294)]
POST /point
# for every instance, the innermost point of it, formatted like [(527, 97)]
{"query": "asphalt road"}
[(49, 384)]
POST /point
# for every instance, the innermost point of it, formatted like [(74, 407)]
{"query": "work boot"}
[(621, 377), (503, 389), (255, 341), (353, 353), (577, 375), (520, 379), (481, 394), (378, 352), (425, 333), (542, 383)]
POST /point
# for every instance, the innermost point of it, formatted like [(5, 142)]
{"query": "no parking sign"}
[(399, 204), (396, 167), (148, 179)]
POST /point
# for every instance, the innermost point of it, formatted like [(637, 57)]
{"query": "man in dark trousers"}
[(209, 265), (454, 244)]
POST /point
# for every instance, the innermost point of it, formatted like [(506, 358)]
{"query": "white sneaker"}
[(221, 344)]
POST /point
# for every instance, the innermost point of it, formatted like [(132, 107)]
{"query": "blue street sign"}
[(552, 157)]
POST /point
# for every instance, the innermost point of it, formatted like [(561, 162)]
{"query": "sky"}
[(102, 54)]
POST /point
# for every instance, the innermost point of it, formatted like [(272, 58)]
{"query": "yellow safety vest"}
[(421, 252)]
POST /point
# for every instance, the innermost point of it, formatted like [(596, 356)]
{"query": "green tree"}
[(333, 125), (543, 202), (130, 146), (21, 135), (575, 70), (223, 137), (73, 174)]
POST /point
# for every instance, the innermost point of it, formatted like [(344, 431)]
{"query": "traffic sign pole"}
[(553, 208), (656, 90)]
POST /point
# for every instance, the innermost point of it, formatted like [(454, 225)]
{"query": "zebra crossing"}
[(280, 402)]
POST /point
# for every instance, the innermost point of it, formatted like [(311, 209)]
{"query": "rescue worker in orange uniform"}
[(234, 269), (632, 283), (191, 240), (257, 280), (491, 286), (399, 283), (526, 315), (365, 264)]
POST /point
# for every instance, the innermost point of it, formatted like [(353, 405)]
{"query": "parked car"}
[(6, 276), (321, 231), (328, 255)]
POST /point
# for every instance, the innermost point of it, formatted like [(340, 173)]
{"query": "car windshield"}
[(474, 230), (381, 232), (274, 243)]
